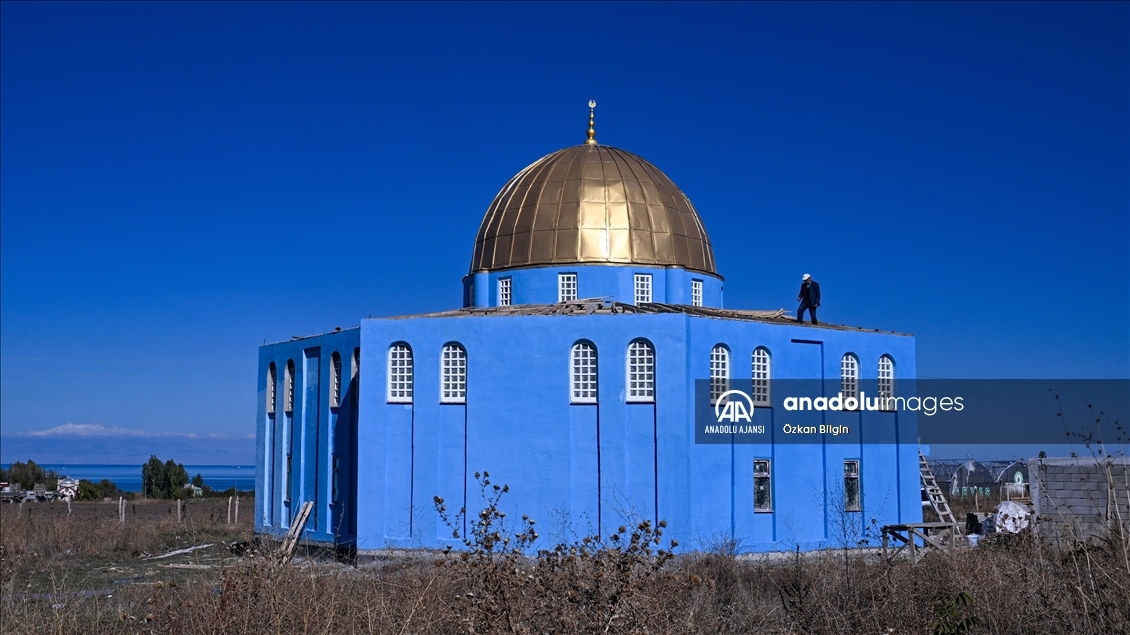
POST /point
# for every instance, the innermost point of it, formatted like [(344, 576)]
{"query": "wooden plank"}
[(295, 534)]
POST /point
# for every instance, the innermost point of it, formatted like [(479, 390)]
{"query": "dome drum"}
[(541, 285)]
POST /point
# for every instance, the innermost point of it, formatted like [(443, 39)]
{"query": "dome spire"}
[(591, 141)]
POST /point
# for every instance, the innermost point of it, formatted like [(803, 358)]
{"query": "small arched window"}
[(289, 386), (760, 376), (399, 374), (335, 380), (849, 376), (886, 381), (641, 372), (719, 372), (355, 374), (583, 386), (453, 374), (272, 379)]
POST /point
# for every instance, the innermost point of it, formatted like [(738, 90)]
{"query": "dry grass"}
[(63, 572), (622, 585)]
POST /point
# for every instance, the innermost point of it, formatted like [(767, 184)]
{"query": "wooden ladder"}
[(937, 500), (290, 543)]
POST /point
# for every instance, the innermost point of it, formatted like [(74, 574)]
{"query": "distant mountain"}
[(101, 443)]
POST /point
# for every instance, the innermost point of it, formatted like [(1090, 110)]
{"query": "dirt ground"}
[(47, 552)]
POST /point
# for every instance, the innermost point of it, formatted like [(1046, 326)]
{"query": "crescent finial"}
[(591, 141)]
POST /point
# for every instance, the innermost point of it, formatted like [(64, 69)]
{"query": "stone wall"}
[(1078, 498)]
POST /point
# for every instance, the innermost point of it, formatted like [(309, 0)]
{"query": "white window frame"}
[(400, 378), (719, 372), (696, 292), (851, 474), (583, 373), (505, 295), (453, 374), (761, 365), (289, 467), (355, 375), (335, 480), (642, 285), (849, 376), (289, 395), (886, 382), (335, 380), (566, 287), (764, 473), (272, 387), (640, 380)]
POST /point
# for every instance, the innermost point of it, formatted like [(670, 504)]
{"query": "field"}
[(90, 573)]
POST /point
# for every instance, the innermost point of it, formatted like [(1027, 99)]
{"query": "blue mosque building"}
[(594, 369)]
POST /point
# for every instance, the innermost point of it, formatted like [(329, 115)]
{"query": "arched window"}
[(399, 374), (354, 374), (289, 386), (335, 380), (886, 381), (272, 379), (582, 387), (641, 372), (849, 376), (760, 376), (453, 374), (719, 372)]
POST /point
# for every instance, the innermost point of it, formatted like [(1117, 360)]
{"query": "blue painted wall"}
[(538, 285), (579, 469), (583, 469), (313, 434)]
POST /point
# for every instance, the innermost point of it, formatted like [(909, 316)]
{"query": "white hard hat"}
[(805, 277)]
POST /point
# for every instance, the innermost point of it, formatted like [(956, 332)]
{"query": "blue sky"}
[(181, 182)]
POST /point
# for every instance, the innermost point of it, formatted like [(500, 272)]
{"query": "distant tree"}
[(28, 474), (153, 477), (109, 488), (198, 480), (163, 480), (177, 478), (1043, 455), (88, 491)]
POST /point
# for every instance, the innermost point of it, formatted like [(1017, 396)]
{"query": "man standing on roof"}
[(809, 298)]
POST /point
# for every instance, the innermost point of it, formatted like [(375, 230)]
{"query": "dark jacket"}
[(810, 292)]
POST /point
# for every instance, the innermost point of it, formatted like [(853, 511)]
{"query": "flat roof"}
[(600, 306)]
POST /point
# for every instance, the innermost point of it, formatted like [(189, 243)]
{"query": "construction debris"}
[(607, 306), (178, 552), (922, 536), (1008, 518), (290, 543)]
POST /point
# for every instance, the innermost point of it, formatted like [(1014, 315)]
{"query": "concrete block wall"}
[(1077, 499)]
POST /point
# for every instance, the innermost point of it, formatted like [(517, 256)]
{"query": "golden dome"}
[(591, 204)]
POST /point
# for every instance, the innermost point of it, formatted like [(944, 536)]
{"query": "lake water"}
[(128, 477)]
